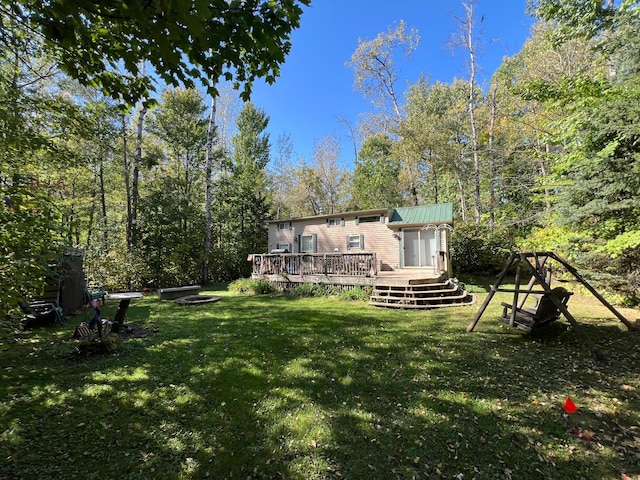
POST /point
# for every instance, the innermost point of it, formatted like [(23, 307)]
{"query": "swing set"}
[(550, 303)]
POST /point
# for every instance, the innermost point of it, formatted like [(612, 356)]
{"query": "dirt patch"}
[(131, 330)]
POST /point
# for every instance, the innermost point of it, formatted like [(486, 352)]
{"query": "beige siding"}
[(378, 238)]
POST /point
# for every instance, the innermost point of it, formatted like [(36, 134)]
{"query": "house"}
[(400, 238), (400, 254)]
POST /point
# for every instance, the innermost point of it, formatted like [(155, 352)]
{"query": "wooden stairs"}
[(421, 296)]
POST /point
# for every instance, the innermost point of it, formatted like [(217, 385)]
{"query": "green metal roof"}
[(422, 215)]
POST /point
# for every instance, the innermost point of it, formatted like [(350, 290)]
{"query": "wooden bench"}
[(543, 312), (177, 292)]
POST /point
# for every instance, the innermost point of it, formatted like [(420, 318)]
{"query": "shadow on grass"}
[(276, 387)]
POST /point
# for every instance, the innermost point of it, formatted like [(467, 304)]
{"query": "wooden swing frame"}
[(535, 263)]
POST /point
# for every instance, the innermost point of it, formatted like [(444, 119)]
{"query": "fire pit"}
[(196, 299)]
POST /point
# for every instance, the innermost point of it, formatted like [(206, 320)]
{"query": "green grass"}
[(282, 387)]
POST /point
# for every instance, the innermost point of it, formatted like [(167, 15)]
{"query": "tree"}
[(467, 38), (374, 68), (281, 175), (375, 177), (183, 42), (33, 120), (180, 124), (434, 144), (523, 145), (208, 188), (246, 204), (425, 138), (330, 177), (598, 135), (171, 217)]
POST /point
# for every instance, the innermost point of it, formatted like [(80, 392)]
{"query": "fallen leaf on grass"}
[(583, 435)]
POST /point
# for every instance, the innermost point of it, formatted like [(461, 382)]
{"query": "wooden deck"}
[(338, 268), (409, 276), (388, 278), (415, 288)]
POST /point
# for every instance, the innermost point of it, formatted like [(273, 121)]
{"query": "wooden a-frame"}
[(535, 264)]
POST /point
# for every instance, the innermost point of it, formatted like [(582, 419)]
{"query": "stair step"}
[(420, 295), (471, 301), (413, 298), (416, 288), (411, 293)]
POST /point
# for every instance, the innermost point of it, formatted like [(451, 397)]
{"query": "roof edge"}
[(356, 213)]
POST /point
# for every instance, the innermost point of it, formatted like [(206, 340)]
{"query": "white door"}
[(419, 248)]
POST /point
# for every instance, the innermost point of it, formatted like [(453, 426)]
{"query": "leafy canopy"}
[(103, 44)]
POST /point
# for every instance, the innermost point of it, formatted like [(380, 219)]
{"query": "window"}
[(335, 222), (308, 243), (286, 247), (355, 241), (284, 226), (370, 219)]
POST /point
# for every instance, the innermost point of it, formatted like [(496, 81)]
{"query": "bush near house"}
[(477, 250)]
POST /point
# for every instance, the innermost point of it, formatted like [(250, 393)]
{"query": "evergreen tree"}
[(246, 202)]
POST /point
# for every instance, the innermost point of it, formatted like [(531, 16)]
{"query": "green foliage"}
[(237, 41), (477, 250), (577, 18), (251, 286), (309, 290), (28, 241), (375, 177), (357, 294), (244, 204)]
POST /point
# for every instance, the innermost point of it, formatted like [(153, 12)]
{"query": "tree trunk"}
[(103, 202), (467, 41), (127, 182), (472, 111), (208, 192), (492, 161), (135, 195), (463, 192), (544, 173)]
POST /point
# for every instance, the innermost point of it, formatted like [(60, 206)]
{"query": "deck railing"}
[(355, 264)]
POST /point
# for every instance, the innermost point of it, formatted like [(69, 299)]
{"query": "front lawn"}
[(280, 387)]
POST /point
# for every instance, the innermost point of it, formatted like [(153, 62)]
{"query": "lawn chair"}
[(543, 312), (94, 293), (42, 311)]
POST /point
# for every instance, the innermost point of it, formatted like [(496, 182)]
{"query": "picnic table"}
[(125, 298)]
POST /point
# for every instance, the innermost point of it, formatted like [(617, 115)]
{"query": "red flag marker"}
[(569, 406)]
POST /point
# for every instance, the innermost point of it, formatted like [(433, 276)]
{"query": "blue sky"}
[(315, 87)]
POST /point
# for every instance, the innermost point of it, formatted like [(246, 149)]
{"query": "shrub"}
[(251, 287), (309, 290), (358, 294), (479, 251), (261, 287)]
